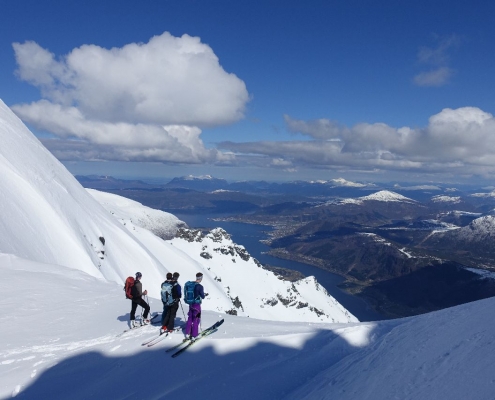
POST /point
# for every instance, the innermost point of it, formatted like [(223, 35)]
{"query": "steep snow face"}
[(160, 223), (386, 195), (253, 291), (48, 217)]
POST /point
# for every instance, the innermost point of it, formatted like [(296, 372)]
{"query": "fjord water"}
[(249, 236)]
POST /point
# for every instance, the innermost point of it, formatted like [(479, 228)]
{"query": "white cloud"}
[(455, 141), (123, 141), (436, 77), (124, 96), (168, 80), (438, 60)]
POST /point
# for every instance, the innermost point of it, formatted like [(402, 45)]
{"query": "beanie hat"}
[(139, 274)]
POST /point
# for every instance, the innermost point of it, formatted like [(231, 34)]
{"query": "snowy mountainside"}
[(472, 244), (480, 229), (160, 223), (47, 216), (254, 291)]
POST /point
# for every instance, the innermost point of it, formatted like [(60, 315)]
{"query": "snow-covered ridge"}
[(162, 224), (417, 187), (479, 229), (491, 194), (224, 191), (197, 178), (446, 199)]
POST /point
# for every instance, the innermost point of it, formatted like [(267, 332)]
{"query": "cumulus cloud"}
[(145, 98), (437, 61), (455, 141), (97, 140)]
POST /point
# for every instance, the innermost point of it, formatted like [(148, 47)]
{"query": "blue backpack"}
[(167, 297), (189, 293)]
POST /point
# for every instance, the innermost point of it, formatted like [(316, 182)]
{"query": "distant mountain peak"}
[(387, 195)]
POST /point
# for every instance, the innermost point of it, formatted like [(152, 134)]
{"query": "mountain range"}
[(371, 234)]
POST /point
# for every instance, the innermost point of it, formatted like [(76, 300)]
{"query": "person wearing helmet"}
[(137, 300)]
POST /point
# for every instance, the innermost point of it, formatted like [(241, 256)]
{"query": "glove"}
[(206, 294), (145, 293)]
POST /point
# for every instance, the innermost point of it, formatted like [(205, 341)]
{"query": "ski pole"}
[(183, 313)]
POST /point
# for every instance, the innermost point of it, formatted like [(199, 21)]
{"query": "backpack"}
[(167, 297), (189, 293), (129, 283)]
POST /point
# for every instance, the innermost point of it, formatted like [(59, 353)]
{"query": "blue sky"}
[(275, 90)]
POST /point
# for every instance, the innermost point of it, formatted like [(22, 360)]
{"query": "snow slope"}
[(48, 217), (78, 355)]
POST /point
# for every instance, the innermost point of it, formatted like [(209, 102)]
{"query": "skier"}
[(194, 314), (168, 323), (137, 293), (165, 306)]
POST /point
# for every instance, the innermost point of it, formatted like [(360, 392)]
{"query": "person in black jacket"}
[(169, 321), (137, 293), (165, 305)]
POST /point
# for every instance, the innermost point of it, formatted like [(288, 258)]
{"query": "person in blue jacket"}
[(169, 321), (194, 314)]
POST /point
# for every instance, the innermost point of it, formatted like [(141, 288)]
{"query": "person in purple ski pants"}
[(194, 314)]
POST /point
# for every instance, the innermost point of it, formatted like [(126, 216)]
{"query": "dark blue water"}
[(249, 236)]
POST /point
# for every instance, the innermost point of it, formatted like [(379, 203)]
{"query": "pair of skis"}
[(156, 339), (189, 342), (137, 327)]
